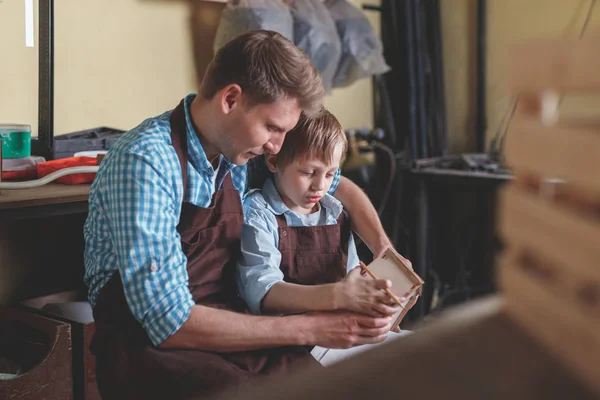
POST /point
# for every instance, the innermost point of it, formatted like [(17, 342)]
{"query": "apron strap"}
[(345, 230), (179, 140), (281, 222)]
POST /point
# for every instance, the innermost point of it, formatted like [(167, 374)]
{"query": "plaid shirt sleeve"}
[(142, 207), (335, 182)]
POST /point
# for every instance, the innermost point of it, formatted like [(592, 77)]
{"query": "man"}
[(162, 235)]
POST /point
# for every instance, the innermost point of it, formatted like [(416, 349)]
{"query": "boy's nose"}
[(318, 184)]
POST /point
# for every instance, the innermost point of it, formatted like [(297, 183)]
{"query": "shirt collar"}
[(276, 205), (196, 153)]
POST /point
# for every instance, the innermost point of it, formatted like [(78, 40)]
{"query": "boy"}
[(298, 253)]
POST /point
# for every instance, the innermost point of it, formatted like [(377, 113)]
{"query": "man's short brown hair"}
[(268, 67), (314, 137)]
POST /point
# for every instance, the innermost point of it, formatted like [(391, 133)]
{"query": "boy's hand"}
[(364, 295)]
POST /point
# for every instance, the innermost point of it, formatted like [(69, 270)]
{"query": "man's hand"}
[(406, 262), (364, 295), (379, 250), (342, 330)]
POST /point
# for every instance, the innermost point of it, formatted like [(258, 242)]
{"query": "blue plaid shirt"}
[(134, 207)]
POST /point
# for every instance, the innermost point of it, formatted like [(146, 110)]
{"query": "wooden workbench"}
[(47, 200), (41, 240)]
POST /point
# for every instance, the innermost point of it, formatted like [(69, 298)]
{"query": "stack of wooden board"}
[(540, 337), (549, 215)]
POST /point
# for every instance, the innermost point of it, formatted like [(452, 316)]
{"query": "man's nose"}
[(274, 144), (272, 148)]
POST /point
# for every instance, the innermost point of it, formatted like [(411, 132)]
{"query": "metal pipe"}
[(420, 49), (481, 122), (45, 142), (412, 81), (439, 79)]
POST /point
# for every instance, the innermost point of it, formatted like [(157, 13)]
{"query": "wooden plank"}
[(568, 152), (555, 64), (553, 321), (560, 281), (52, 193), (562, 236)]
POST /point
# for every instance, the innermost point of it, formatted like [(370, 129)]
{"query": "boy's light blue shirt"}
[(258, 269)]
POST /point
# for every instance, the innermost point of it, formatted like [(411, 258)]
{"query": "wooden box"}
[(38, 351), (69, 307)]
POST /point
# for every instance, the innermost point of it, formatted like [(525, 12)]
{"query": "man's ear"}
[(271, 161), (231, 97)]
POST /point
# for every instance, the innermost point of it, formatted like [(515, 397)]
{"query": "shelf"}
[(47, 200)]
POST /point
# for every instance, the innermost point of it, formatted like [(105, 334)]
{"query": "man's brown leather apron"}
[(129, 367)]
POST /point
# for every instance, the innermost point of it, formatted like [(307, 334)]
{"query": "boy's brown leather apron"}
[(128, 366), (313, 255)]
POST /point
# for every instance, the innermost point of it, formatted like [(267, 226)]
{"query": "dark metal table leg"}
[(422, 264)]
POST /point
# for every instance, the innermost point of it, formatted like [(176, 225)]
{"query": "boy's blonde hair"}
[(314, 137)]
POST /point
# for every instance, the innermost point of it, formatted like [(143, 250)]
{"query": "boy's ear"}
[(271, 161)]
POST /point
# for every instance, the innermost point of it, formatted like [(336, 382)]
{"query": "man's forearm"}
[(212, 329), (365, 221), (289, 298)]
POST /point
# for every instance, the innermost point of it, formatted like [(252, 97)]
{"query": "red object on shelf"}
[(20, 169), (48, 167), (19, 175)]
